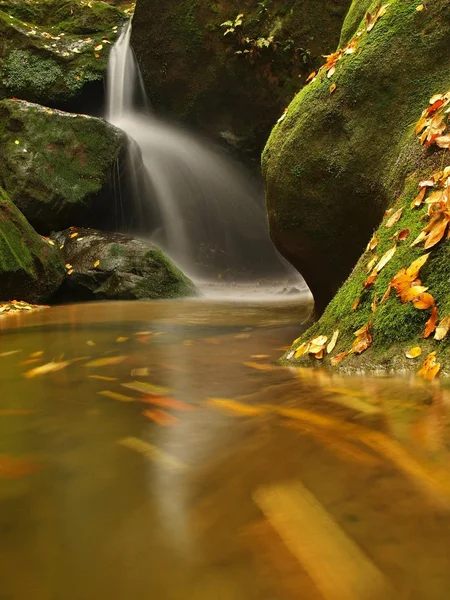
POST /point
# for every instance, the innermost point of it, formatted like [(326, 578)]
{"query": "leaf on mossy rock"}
[(373, 243), (424, 301), (301, 350), (394, 218), (363, 339), (372, 263), (414, 352), (356, 303), (331, 346), (419, 198), (386, 258), (338, 358), (430, 325), (317, 345), (430, 367), (372, 18), (442, 328)]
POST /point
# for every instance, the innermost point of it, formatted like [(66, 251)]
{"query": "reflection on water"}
[(166, 456)]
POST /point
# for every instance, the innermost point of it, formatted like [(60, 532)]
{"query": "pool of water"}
[(156, 450)]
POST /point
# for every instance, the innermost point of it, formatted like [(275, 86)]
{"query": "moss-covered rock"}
[(330, 165), (58, 167), (52, 49), (30, 267), (234, 85), (398, 322), (112, 266)]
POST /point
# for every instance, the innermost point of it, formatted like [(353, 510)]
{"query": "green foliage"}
[(24, 71)]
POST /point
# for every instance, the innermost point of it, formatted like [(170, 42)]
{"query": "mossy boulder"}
[(58, 168), (234, 85), (331, 166), (112, 266), (30, 267), (51, 49)]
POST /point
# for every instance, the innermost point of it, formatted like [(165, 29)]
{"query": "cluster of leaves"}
[(250, 47), (434, 193), (17, 306)]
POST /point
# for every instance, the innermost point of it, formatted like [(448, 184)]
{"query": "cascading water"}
[(208, 214)]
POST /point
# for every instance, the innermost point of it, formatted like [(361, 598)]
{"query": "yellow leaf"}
[(386, 258), (237, 408), (420, 8), (74, 235), (151, 452), (116, 396), (301, 350), (442, 328), (50, 367), (373, 243), (143, 372), (103, 362), (414, 352), (17, 142), (415, 266), (333, 341), (102, 378), (146, 388), (68, 266), (98, 47), (120, 340), (260, 366), (97, 262), (333, 87)]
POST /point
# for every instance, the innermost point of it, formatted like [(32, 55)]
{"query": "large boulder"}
[(31, 268), (58, 168), (331, 165), (230, 68), (51, 50), (112, 266)]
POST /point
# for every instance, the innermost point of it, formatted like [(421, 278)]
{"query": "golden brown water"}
[(192, 468)]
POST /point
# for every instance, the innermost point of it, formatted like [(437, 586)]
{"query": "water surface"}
[(172, 459)]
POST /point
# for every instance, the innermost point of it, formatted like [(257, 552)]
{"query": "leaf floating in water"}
[(102, 377), (10, 353), (12, 412), (12, 467), (237, 408), (261, 366), (116, 396), (160, 417), (120, 340), (151, 452), (414, 352), (37, 354), (50, 367), (143, 372), (146, 388), (90, 343), (104, 362), (261, 356), (168, 403)]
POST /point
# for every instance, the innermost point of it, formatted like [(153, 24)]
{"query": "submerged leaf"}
[(146, 388), (50, 367), (160, 417), (237, 408), (104, 362)]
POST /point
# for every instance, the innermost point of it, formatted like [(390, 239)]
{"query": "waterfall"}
[(209, 214)]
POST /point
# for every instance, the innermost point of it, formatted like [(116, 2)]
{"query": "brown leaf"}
[(437, 233), (363, 339), (402, 236), (338, 358), (394, 218), (311, 76), (443, 141), (419, 198), (373, 243), (430, 325), (370, 280)]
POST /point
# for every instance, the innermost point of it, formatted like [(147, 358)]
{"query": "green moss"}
[(353, 20), (55, 163)]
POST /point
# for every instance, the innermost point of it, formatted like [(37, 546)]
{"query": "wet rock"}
[(113, 266), (331, 165), (59, 168), (52, 50), (231, 79), (31, 268)]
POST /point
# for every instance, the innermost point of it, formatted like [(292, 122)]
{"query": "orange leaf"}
[(419, 198), (161, 417), (356, 303), (373, 243), (437, 233), (311, 76), (370, 280), (430, 325), (410, 294), (416, 265), (363, 339), (423, 301), (167, 402), (430, 367)]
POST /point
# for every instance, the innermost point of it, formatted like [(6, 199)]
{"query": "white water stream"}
[(209, 213)]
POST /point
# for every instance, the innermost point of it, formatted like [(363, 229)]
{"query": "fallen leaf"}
[(142, 372), (96, 264), (50, 367), (371, 264), (430, 367), (437, 232), (120, 340), (338, 358), (422, 236), (373, 243), (102, 378), (363, 339), (443, 141), (331, 346), (420, 8), (104, 362), (414, 352), (311, 76), (37, 354), (394, 218), (160, 417), (168, 403), (419, 198), (146, 388), (260, 366), (423, 301), (414, 268), (356, 303), (430, 325), (442, 328), (151, 452), (237, 408), (74, 235), (301, 350), (116, 396), (386, 258), (402, 236), (333, 87), (317, 344)]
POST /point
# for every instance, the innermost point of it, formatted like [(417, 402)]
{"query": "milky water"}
[(207, 213)]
